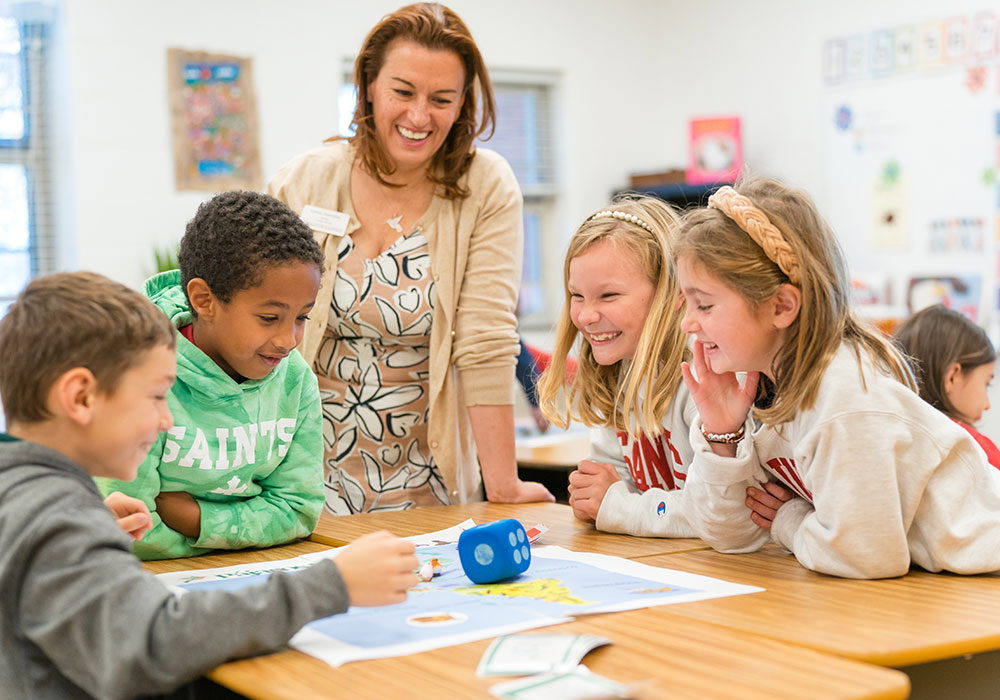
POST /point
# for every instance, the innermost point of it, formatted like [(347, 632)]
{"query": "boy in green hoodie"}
[(242, 465)]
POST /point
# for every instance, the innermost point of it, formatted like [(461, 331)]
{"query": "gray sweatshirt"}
[(81, 618)]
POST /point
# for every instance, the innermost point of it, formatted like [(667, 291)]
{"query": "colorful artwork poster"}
[(890, 209), (715, 150), (961, 293), (214, 121), (957, 235)]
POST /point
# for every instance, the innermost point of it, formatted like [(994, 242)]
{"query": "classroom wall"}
[(763, 61), (632, 74), (118, 154)]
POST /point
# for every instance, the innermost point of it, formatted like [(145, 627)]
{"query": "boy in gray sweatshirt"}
[(85, 365)]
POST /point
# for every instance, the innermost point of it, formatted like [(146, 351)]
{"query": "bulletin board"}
[(913, 155)]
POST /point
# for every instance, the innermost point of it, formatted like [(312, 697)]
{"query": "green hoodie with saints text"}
[(250, 453)]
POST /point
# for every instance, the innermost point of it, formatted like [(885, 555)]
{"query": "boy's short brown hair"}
[(67, 320)]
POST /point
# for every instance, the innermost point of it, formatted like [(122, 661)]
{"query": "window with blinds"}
[(524, 132), (524, 136), (26, 232)]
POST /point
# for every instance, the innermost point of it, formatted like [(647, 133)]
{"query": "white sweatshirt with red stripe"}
[(881, 478), (649, 499)]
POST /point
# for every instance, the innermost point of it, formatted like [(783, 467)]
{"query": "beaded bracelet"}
[(725, 438)]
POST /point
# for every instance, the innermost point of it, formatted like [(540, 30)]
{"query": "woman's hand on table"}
[(519, 492), (493, 430)]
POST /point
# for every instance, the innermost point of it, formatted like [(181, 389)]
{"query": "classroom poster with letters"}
[(214, 121)]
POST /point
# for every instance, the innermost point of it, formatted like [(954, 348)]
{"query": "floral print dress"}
[(372, 367)]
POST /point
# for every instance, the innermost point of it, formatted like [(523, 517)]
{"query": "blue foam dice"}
[(494, 551)]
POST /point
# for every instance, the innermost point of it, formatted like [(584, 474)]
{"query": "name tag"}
[(326, 220)]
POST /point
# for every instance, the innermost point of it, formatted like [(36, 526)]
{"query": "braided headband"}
[(621, 216), (755, 222)]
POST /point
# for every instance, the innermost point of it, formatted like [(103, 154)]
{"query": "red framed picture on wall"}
[(715, 150)]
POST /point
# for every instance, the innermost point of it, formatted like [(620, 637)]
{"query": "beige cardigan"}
[(475, 250)]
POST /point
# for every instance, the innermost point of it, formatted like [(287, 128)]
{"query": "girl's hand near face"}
[(722, 403)]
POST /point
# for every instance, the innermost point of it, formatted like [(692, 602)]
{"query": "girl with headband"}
[(825, 447), (622, 299)]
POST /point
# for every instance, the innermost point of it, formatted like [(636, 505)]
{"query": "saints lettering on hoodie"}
[(227, 447)]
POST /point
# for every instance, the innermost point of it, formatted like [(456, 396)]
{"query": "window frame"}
[(540, 199), (31, 153)]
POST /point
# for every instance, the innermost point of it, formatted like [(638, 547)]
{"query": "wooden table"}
[(564, 529), (942, 629), (893, 622), (556, 451), (681, 658), (690, 660), (549, 459)]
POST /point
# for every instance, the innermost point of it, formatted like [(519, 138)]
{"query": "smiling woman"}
[(413, 337)]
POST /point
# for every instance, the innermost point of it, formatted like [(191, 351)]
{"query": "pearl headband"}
[(755, 222), (621, 216)]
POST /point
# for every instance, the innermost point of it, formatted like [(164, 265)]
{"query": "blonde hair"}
[(608, 395), (825, 319)]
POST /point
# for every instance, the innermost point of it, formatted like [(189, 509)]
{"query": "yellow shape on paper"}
[(548, 589)]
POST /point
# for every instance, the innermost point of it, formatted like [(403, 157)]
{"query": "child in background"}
[(867, 477), (531, 362), (527, 372), (622, 298), (80, 617), (953, 360), (242, 466)]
